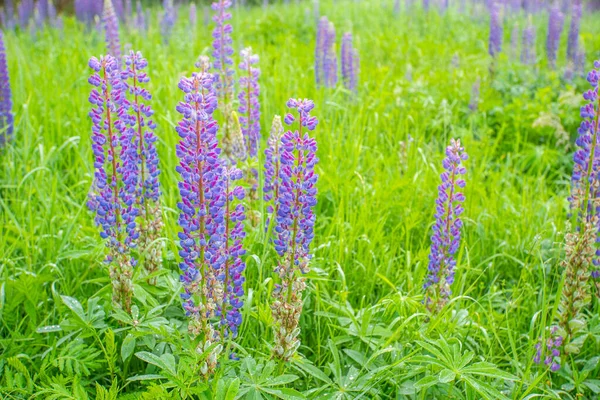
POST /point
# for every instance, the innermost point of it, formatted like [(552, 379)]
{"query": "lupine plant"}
[(169, 17), (581, 256), (193, 15), (445, 239), (248, 97), (350, 63), (528, 55), (6, 115), (325, 56), (116, 175), (573, 39), (139, 119), (495, 40), (294, 226), (271, 171), (140, 20), (555, 27), (111, 30)]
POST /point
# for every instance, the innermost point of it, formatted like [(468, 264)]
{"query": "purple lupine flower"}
[(42, 8), (474, 103), (8, 17), (6, 115), (445, 240), (330, 65), (225, 248), (111, 30), (140, 20), (25, 11), (200, 170), (115, 176), (128, 12), (193, 15), (528, 47), (495, 40), (555, 27), (222, 50), (249, 108), (426, 5), (350, 63), (169, 17), (139, 119), (320, 51), (52, 15), (580, 244), (294, 225), (573, 40), (272, 167), (550, 353)]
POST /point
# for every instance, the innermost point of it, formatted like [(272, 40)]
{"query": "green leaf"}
[(447, 376), (313, 371), (74, 306), (145, 377), (282, 380), (426, 382), (233, 389), (127, 347), (166, 362)]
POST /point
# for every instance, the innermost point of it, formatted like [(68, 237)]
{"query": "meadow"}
[(365, 331)]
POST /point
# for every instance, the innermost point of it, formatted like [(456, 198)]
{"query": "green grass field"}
[(365, 332)]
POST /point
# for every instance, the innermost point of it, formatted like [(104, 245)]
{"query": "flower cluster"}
[(573, 38), (325, 56), (6, 115), (294, 227), (168, 20), (272, 167), (222, 49), (115, 176), (87, 10), (249, 107), (350, 63), (140, 18), (445, 240), (528, 55), (25, 11), (550, 353), (211, 220), (495, 41), (555, 27), (139, 119), (580, 243), (111, 30), (193, 15)]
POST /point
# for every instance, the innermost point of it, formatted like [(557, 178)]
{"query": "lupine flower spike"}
[(249, 108), (294, 226), (169, 17), (573, 40), (330, 63), (528, 55), (116, 175), (222, 64), (193, 15), (580, 243), (495, 41), (445, 240), (148, 192), (200, 169), (549, 352), (320, 51), (111, 30), (6, 115), (272, 168), (350, 63), (555, 27)]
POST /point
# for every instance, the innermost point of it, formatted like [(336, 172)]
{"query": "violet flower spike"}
[(222, 49), (528, 55), (272, 167), (320, 51), (294, 225), (495, 40), (445, 239), (248, 96), (350, 63), (6, 114), (115, 176), (330, 65), (555, 27), (111, 30), (573, 39), (193, 15)]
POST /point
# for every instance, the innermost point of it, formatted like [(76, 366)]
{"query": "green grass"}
[(363, 324)]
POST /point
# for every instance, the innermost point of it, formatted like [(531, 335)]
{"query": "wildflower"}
[(193, 15), (6, 115), (148, 191), (140, 21), (555, 27), (294, 225), (115, 176), (528, 50), (169, 17), (272, 166), (25, 11), (249, 107), (200, 214), (330, 68), (550, 353), (111, 30), (495, 41), (320, 50), (573, 39), (350, 63), (445, 240)]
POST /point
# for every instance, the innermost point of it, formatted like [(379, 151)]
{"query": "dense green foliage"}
[(365, 332)]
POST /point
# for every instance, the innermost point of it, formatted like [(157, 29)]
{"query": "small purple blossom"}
[(248, 96), (111, 30), (350, 63), (6, 115), (555, 27), (495, 40), (550, 352), (445, 240)]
